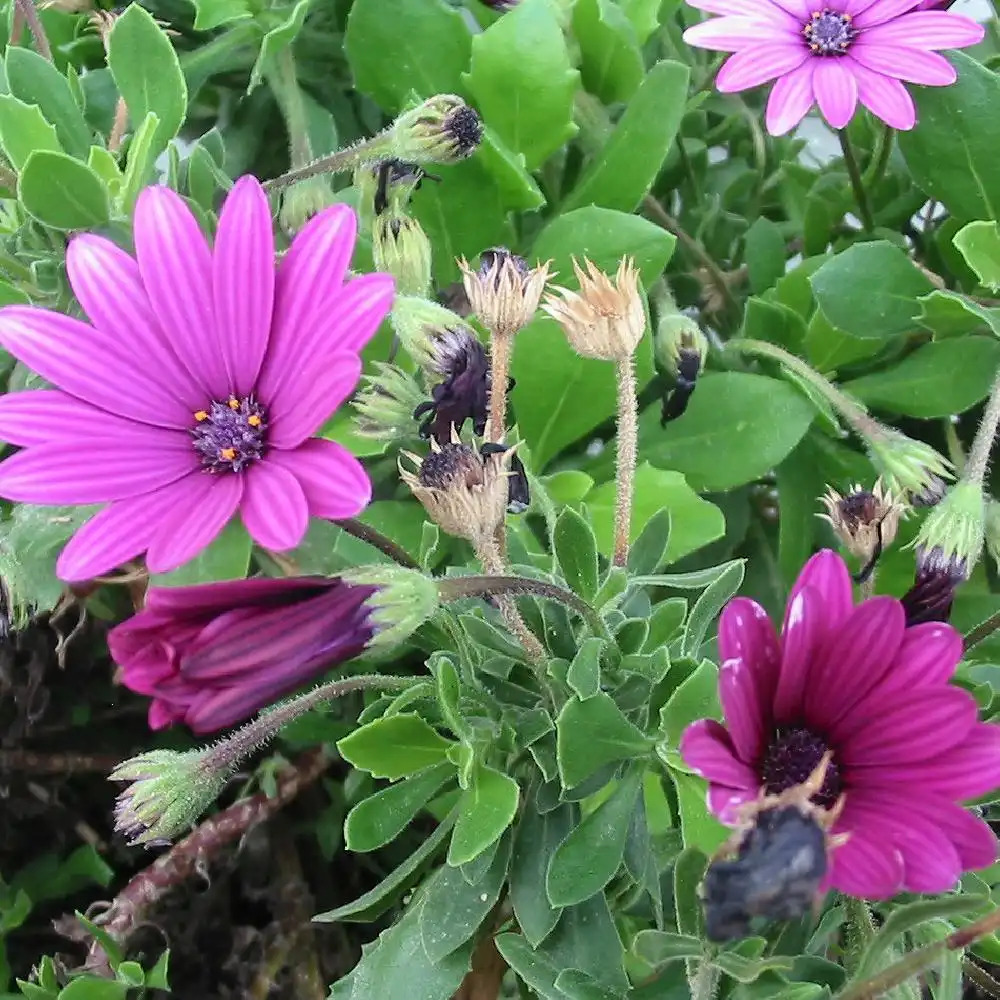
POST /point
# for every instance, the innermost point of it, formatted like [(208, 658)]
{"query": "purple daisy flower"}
[(198, 386), (832, 53), (212, 655), (907, 746)]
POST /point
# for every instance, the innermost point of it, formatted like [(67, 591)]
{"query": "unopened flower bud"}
[(504, 292), (167, 792), (909, 469), (421, 325), (681, 349), (463, 492), (400, 247), (605, 319), (402, 601), (302, 201), (386, 404), (992, 529), (443, 129), (864, 521), (461, 362)]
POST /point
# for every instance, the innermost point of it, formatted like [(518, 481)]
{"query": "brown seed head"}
[(605, 319), (862, 519), (504, 292)]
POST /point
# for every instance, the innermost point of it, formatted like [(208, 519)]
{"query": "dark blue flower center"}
[(231, 435), (792, 757), (829, 33)]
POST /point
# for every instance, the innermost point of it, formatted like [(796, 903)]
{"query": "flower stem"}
[(880, 158), (500, 352), (284, 81), (365, 151), (628, 435), (978, 461), (34, 22), (854, 173), (982, 631), (359, 530)]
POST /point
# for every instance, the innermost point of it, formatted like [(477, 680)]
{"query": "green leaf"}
[(394, 746), (381, 817), (156, 978), (736, 428), (699, 827), (870, 290), (936, 380), (765, 255), (523, 81), (746, 969), (486, 809), (953, 154), (34, 80), (453, 909), (644, 15), (388, 43), (141, 164), (225, 558), (979, 244), (611, 62), (537, 971), (278, 38), (62, 192), (658, 948), (696, 698), (91, 988), (586, 939), (397, 965), (586, 861), (948, 314), (576, 552), (706, 609), (211, 14), (592, 733), (537, 837), (651, 549), (688, 872), (694, 522), (147, 73), (376, 901), (131, 974), (623, 170), (23, 130), (584, 673)]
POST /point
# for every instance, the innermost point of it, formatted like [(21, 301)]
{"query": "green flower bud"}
[(680, 346), (909, 468), (167, 792), (443, 129), (992, 529), (420, 324), (384, 186), (951, 538), (302, 201), (400, 247), (403, 600), (386, 404)]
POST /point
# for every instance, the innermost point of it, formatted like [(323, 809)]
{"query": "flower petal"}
[(334, 481), (708, 750), (927, 658), (274, 507), (176, 267), (207, 599), (931, 29), (732, 34), (113, 536), (105, 469), (742, 709), (44, 416), (107, 283), (755, 65), (869, 865), (884, 10), (90, 364), (243, 282), (726, 803), (801, 642), (296, 416), (746, 632), (207, 504), (884, 97), (827, 576), (904, 63), (836, 91), (790, 100)]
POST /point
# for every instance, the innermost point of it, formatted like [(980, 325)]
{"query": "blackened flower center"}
[(230, 435), (829, 33), (452, 464), (792, 757)]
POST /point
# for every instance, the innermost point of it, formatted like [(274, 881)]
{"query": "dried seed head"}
[(443, 129), (504, 292), (605, 319), (463, 492), (400, 247), (865, 521)]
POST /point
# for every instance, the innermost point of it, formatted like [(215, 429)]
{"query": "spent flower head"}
[(463, 491), (832, 54), (910, 469), (605, 319), (166, 792), (864, 521), (443, 129), (504, 292)]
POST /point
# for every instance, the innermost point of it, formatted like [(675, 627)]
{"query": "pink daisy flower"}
[(197, 387), (832, 53), (907, 746), (212, 655)]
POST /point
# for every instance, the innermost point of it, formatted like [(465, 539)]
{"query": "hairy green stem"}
[(284, 81), (34, 22), (366, 151), (854, 173), (625, 458), (977, 463), (359, 530), (982, 631)]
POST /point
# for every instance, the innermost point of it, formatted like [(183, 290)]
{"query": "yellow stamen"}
[(253, 420), (228, 454), (201, 415), (234, 404)]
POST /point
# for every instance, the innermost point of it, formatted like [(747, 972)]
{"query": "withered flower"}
[(504, 292), (865, 521), (461, 361), (605, 319), (464, 492)]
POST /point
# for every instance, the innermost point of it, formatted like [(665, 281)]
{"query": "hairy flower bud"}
[(681, 349), (910, 469), (385, 186), (401, 601), (400, 247), (302, 201), (443, 129), (504, 292), (386, 404), (422, 326), (463, 492), (606, 318)]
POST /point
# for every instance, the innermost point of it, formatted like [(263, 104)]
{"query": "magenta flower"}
[(907, 746), (197, 388), (832, 53), (212, 655)]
